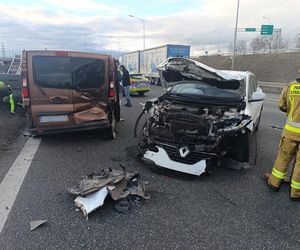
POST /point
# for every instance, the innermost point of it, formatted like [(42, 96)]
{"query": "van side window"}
[(52, 72), (88, 73)]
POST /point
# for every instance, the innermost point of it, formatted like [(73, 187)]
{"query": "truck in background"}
[(145, 61)]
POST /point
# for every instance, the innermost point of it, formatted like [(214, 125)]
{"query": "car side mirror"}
[(257, 97)]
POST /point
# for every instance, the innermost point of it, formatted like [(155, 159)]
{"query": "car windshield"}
[(202, 90)]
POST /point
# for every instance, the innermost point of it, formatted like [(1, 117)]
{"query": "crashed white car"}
[(205, 115)]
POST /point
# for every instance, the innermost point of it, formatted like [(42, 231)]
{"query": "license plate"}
[(54, 118)]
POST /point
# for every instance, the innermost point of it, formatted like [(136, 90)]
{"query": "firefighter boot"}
[(295, 182), (287, 151)]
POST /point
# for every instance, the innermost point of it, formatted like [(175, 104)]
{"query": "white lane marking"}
[(13, 180)]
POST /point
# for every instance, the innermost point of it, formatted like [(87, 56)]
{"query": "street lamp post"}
[(218, 42), (144, 24), (235, 33)]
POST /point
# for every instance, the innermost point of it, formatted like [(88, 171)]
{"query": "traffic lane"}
[(227, 209)]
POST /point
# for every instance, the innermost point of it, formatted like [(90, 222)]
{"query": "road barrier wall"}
[(273, 67)]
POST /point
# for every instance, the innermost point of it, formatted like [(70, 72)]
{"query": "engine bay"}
[(205, 128)]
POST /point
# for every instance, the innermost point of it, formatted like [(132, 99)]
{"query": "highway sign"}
[(250, 29), (266, 30)]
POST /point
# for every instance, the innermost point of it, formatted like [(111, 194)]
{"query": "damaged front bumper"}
[(161, 158)]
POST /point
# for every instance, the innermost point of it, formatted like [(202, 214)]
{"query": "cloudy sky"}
[(103, 25)]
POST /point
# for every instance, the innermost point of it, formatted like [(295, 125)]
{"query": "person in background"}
[(7, 98), (125, 78)]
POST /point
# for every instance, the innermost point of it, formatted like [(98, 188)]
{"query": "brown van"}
[(70, 91)]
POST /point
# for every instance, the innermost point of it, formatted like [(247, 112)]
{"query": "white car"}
[(204, 115)]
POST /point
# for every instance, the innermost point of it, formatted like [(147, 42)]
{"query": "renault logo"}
[(184, 151)]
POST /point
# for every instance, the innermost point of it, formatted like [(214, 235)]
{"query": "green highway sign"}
[(250, 29), (266, 30)]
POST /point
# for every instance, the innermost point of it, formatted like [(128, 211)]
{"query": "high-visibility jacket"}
[(289, 102)]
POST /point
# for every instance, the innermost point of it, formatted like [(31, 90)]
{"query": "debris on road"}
[(276, 127), (91, 202), (36, 223), (125, 188)]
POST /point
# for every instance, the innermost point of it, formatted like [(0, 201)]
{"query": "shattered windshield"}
[(203, 90)]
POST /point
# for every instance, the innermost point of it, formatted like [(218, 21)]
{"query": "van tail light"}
[(112, 92), (25, 92)]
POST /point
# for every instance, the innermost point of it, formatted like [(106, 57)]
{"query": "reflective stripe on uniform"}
[(12, 103), (293, 124), (295, 184), (292, 128), (291, 101), (278, 174)]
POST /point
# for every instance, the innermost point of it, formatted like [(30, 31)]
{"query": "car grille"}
[(192, 158)]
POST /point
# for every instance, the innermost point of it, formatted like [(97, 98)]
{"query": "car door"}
[(253, 108), (50, 88)]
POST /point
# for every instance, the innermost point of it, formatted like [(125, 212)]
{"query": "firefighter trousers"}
[(288, 150)]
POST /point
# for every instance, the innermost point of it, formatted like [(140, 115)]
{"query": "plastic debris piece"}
[(91, 202), (36, 223), (125, 189), (115, 194), (94, 182)]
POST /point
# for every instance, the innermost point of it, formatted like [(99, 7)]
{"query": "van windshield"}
[(68, 72)]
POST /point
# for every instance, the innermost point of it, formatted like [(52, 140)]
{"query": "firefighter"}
[(289, 147)]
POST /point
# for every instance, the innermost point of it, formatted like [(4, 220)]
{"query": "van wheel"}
[(111, 132), (141, 93)]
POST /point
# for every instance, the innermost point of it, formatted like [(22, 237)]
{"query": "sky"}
[(105, 26)]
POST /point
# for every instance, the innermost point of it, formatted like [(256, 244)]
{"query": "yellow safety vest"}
[(290, 102)]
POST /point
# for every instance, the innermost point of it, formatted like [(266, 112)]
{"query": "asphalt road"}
[(229, 209)]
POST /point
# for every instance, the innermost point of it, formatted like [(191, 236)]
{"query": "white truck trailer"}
[(145, 61)]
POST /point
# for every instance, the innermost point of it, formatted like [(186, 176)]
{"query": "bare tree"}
[(268, 43), (230, 47), (241, 46), (257, 44)]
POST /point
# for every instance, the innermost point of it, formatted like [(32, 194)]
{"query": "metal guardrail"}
[(272, 87)]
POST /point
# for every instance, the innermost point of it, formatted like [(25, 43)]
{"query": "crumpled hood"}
[(176, 69)]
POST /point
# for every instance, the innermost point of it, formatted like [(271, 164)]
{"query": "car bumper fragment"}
[(162, 159)]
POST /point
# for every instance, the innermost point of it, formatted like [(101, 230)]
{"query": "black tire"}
[(141, 93), (111, 131)]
